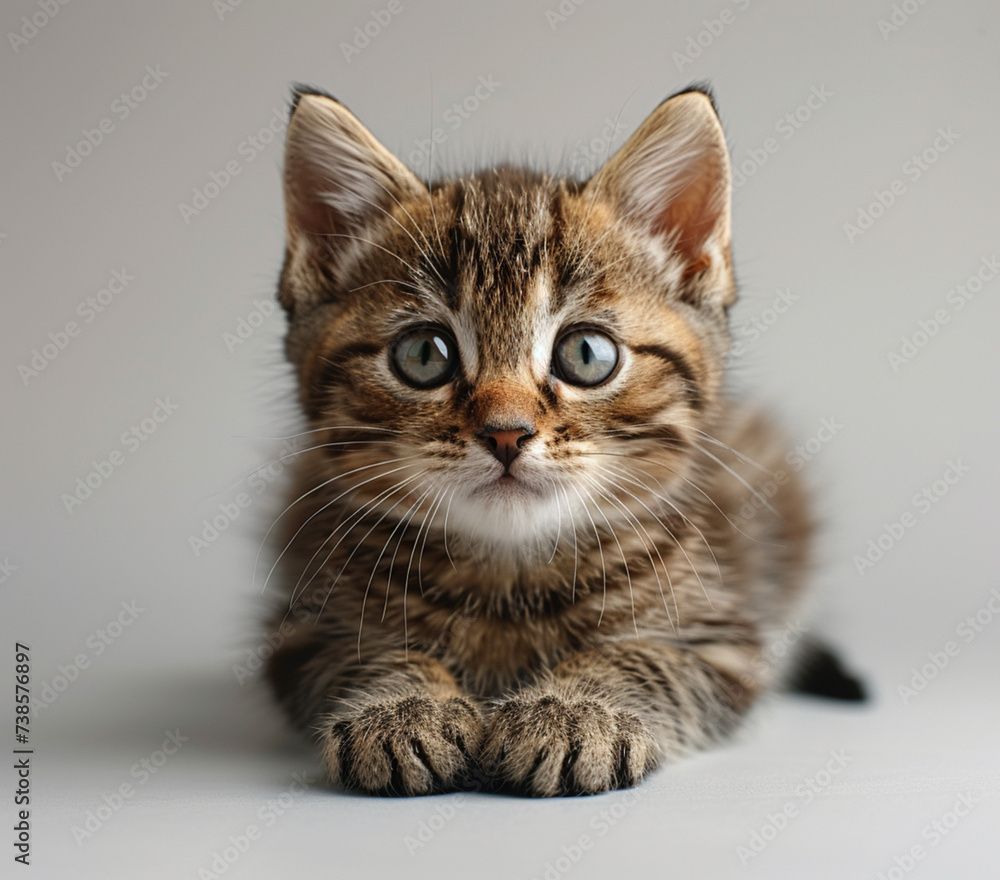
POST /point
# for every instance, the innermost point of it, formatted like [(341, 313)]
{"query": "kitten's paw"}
[(405, 745), (547, 746)]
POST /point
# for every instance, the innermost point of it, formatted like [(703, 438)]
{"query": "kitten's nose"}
[(505, 443)]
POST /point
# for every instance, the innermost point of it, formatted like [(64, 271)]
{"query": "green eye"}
[(585, 357), (426, 357)]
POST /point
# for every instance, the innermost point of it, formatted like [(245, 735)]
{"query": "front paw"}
[(408, 745), (549, 745)]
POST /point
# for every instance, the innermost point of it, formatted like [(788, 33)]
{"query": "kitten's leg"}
[(399, 725), (606, 717)]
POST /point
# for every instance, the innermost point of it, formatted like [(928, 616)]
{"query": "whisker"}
[(416, 272), (680, 547), (319, 430), (357, 515), (600, 550), (430, 522), (267, 534), (707, 497), (368, 586), (360, 543), (423, 252), (576, 558), (739, 455), (749, 488), (295, 452), (409, 566), (446, 513), (633, 521), (555, 544), (407, 519), (398, 281), (600, 547), (667, 501), (621, 550)]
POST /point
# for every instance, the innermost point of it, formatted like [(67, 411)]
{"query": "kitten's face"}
[(513, 352)]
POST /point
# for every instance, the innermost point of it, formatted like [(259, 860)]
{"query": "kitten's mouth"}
[(508, 486)]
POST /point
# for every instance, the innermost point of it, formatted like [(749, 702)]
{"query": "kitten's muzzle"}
[(504, 443)]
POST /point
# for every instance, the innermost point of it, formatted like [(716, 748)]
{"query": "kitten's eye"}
[(585, 357), (426, 357)]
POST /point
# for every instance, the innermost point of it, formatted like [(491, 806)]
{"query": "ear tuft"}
[(338, 179), (672, 179), (300, 90)]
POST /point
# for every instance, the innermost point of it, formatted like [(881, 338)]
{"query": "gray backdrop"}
[(140, 240)]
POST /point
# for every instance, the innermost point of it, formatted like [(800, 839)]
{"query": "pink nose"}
[(504, 444)]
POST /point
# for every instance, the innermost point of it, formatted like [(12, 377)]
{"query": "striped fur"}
[(562, 628)]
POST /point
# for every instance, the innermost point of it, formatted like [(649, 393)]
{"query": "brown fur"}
[(445, 624)]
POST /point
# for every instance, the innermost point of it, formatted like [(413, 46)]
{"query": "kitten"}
[(515, 548)]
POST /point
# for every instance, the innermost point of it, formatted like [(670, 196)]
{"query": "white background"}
[(854, 298)]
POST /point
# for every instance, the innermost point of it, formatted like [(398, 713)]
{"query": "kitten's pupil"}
[(585, 357), (425, 357)]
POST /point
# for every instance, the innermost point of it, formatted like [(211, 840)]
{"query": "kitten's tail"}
[(819, 672)]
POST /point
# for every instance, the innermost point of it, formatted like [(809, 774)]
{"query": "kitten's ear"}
[(672, 179), (337, 177)]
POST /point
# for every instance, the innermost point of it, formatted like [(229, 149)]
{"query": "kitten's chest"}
[(490, 655), (493, 642)]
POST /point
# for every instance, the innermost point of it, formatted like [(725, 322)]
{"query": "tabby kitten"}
[(515, 549)]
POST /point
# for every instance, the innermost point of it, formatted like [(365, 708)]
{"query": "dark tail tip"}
[(821, 674)]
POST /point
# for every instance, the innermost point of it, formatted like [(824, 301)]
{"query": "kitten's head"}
[(515, 348)]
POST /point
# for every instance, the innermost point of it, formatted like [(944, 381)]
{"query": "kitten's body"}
[(511, 573)]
